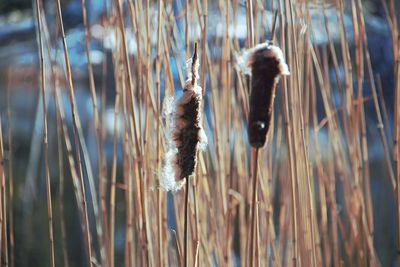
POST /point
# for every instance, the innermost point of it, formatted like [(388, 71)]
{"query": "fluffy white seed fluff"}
[(168, 181), (245, 59)]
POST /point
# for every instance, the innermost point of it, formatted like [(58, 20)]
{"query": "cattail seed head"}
[(187, 135), (264, 63)]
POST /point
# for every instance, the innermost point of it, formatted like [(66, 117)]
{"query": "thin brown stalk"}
[(55, 81), (227, 181), (97, 130), (288, 130), (196, 257), (394, 26), (250, 21), (103, 163), (204, 46), (60, 128), (308, 189), (195, 184), (114, 178), (77, 146), (254, 259), (10, 171), (45, 142), (186, 225), (375, 99), (187, 28), (385, 115), (127, 65), (61, 189), (273, 29), (127, 176), (4, 206), (2, 178), (147, 246), (160, 195), (68, 147), (178, 249), (397, 160), (396, 143)]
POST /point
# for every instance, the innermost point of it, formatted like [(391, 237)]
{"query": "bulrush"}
[(265, 64), (185, 135)]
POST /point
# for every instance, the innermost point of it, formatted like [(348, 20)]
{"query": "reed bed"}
[(314, 203)]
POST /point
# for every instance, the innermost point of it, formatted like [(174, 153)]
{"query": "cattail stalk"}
[(186, 225), (254, 203)]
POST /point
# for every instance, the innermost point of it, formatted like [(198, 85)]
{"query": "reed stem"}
[(254, 204), (186, 226), (83, 204), (45, 142), (2, 178), (10, 171), (61, 189), (93, 95), (158, 148)]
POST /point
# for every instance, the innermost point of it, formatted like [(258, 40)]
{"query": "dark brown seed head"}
[(267, 64), (187, 138), (187, 133)]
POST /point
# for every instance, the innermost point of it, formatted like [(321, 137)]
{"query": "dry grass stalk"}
[(101, 175), (45, 141), (76, 140), (2, 178), (160, 196), (71, 161), (61, 189), (114, 177), (10, 171)]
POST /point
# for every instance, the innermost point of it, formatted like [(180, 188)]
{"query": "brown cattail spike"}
[(266, 64), (187, 134)]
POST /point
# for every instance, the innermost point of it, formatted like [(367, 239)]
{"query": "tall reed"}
[(45, 141)]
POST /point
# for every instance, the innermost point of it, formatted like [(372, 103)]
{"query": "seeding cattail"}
[(186, 135), (265, 63)]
